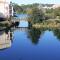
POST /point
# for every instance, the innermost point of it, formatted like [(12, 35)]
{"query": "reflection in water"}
[(5, 39), (34, 35), (46, 44), (57, 33), (20, 29), (6, 36)]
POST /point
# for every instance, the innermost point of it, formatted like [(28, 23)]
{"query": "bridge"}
[(19, 19), (22, 21), (20, 29)]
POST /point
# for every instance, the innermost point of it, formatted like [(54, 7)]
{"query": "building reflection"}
[(5, 39)]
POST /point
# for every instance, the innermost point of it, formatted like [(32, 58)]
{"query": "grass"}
[(4, 24), (47, 24)]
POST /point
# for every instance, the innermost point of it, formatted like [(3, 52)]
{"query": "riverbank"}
[(47, 24), (5, 24)]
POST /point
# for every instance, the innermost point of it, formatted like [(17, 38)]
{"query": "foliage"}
[(57, 12), (37, 15), (36, 11), (49, 10), (53, 13), (17, 8)]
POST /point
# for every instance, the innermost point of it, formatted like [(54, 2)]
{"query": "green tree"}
[(17, 8), (57, 12), (37, 15)]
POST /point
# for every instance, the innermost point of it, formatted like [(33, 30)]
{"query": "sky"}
[(36, 1)]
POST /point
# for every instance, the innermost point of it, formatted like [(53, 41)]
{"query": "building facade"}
[(5, 9)]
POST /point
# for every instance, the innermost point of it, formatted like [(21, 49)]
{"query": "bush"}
[(37, 15)]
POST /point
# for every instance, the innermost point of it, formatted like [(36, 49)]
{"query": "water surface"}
[(29, 44), (33, 44)]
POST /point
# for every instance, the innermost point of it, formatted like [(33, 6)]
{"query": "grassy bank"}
[(48, 24), (5, 24)]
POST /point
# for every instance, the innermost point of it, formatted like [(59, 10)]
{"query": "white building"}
[(46, 7), (4, 9), (56, 6), (52, 7)]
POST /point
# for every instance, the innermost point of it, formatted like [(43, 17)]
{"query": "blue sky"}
[(36, 1)]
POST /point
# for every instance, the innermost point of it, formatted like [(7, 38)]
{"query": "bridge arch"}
[(23, 24)]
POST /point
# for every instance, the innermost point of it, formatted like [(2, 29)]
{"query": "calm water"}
[(30, 44)]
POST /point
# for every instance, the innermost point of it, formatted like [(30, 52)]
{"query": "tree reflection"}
[(57, 33), (34, 35)]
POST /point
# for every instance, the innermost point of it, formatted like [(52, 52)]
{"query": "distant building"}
[(46, 7), (52, 6), (56, 6)]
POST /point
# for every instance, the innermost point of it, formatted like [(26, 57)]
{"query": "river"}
[(29, 44)]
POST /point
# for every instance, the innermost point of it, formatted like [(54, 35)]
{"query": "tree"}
[(17, 8), (57, 12), (37, 15)]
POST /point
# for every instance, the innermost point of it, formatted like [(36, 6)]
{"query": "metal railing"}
[(19, 19)]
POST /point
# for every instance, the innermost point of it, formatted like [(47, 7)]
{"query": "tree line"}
[(36, 11)]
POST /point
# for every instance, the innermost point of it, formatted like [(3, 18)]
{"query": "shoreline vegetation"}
[(48, 18), (47, 24), (39, 17)]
